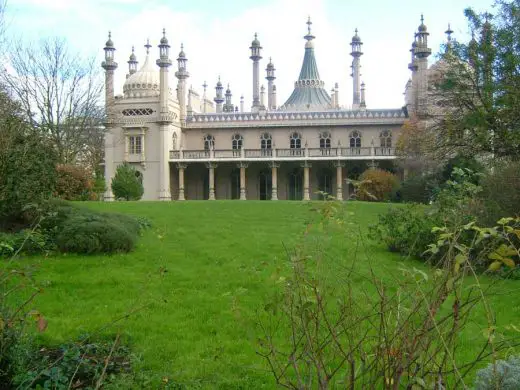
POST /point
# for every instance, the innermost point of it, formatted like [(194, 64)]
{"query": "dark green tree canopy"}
[(127, 183)]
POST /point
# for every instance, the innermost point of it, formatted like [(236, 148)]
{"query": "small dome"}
[(356, 38), (143, 83), (422, 28), (132, 56), (164, 40), (270, 65), (219, 84), (181, 53), (109, 43), (256, 42)]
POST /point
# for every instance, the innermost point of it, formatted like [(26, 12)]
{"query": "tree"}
[(74, 182), (476, 93), (127, 183), (27, 166), (60, 92)]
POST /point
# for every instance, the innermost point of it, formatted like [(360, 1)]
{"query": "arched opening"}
[(325, 143), (295, 143), (265, 185), (236, 144), (235, 183), (296, 184), (266, 143)]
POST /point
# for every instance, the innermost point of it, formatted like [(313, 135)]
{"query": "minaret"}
[(356, 69), (336, 95), (333, 97), (204, 97), (219, 99), (228, 107), (132, 64), (165, 120), (270, 85), (362, 103), (422, 52), (182, 74), (256, 56), (110, 66), (262, 96), (273, 98), (242, 103)]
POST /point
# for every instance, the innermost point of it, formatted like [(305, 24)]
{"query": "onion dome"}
[(164, 40), (422, 26), (256, 42), (356, 37), (109, 43), (143, 83)]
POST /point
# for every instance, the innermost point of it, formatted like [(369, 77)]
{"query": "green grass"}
[(195, 282)]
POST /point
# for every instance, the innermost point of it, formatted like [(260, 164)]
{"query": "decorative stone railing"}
[(339, 153)]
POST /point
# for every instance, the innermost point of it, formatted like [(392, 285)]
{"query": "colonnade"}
[(274, 165)]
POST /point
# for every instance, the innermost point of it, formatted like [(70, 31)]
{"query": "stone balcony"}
[(303, 154)]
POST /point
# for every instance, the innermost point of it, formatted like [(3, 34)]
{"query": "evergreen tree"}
[(127, 183)]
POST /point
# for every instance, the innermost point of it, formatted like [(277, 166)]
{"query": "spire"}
[(132, 63), (356, 54), (147, 46), (309, 92), (109, 49), (219, 98), (421, 39)]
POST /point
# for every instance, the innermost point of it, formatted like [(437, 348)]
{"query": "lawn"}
[(194, 284)]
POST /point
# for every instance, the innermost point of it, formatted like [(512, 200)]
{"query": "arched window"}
[(209, 142), (325, 140), (266, 143), (355, 139), (386, 139), (236, 142), (295, 141)]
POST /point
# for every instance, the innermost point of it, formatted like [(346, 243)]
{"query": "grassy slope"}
[(202, 271)]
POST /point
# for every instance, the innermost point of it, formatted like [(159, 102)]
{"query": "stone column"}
[(306, 190), (211, 167), (274, 179), (181, 167), (339, 180), (242, 166)]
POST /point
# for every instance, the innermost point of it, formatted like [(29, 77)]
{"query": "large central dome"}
[(143, 83), (309, 92)]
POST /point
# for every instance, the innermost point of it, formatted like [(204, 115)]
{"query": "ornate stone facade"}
[(186, 147)]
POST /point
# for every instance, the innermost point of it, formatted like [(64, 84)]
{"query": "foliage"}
[(376, 185), (503, 375), (99, 186), (478, 90), (501, 191), (467, 164), (27, 167), (412, 147), (418, 189), (85, 365), (406, 230), (74, 182), (401, 331), (126, 183)]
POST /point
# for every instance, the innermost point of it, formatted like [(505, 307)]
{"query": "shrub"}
[(407, 230), (376, 185), (95, 233), (418, 189), (501, 192), (504, 375), (126, 183), (73, 182)]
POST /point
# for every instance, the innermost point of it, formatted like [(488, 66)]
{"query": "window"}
[(209, 142), (325, 140), (266, 143), (386, 139), (236, 142), (135, 144), (137, 111), (355, 139), (174, 141), (295, 141)]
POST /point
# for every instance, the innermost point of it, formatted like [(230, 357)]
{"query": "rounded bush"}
[(95, 234), (376, 185)]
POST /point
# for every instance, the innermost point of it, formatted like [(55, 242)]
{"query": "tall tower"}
[(132, 64), (271, 88), (356, 53), (110, 66), (219, 99), (228, 107), (422, 52), (165, 121), (256, 56), (182, 74), (204, 98)]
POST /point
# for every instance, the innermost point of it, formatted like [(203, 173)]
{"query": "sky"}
[(217, 35)]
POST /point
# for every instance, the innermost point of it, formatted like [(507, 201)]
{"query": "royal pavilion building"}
[(189, 146)]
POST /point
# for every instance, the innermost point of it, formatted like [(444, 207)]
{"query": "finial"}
[(422, 19), (205, 85), (109, 34), (148, 46), (309, 24), (219, 78), (182, 46), (448, 32), (133, 49), (256, 35), (356, 31), (164, 32)]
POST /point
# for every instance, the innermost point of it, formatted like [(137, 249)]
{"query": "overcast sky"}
[(217, 36)]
